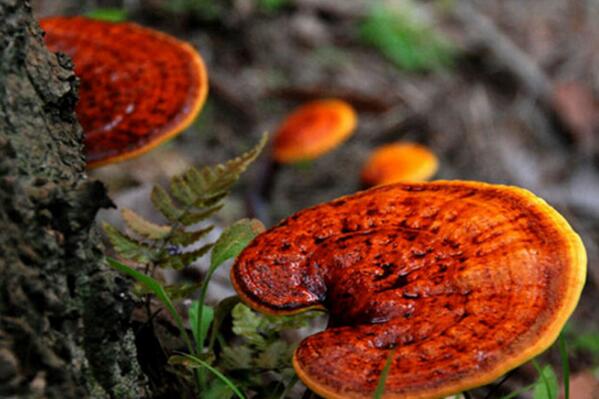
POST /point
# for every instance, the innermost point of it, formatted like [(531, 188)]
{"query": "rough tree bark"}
[(63, 317)]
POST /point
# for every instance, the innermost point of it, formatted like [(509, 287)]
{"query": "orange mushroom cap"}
[(139, 87), (465, 280), (399, 162), (313, 130)]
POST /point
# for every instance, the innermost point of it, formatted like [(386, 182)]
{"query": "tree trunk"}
[(64, 318)]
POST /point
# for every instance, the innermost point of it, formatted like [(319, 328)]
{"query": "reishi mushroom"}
[(399, 162), (139, 87), (312, 130), (463, 280)]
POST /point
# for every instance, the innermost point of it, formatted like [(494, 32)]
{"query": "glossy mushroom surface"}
[(313, 130), (465, 280), (139, 87), (399, 162)]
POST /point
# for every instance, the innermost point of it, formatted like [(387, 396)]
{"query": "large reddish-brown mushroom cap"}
[(465, 280), (139, 87), (313, 129)]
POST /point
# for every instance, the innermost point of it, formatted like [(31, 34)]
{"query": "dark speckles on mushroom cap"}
[(138, 86), (466, 280)]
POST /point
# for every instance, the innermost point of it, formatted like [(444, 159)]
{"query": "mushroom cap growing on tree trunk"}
[(139, 87)]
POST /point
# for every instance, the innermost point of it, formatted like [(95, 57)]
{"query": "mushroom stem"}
[(259, 197), (269, 174)]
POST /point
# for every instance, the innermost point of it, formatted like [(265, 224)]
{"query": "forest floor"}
[(506, 93)]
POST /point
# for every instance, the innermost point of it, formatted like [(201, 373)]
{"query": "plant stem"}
[(563, 350), (496, 387)]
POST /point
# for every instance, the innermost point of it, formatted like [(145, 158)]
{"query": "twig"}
[(483, 31)]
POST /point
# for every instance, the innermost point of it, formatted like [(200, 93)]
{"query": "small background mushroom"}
[(399, 163), (499, 113)]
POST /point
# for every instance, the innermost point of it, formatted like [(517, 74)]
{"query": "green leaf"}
[(271, 6), (588, 342), (380, 388), (181, 191), (108, 14), (237, 357), (223, 309), (246, 324), (179, 261), (408, 41), (563, 350), (195, 217), (211, 183), (200, 327), (127, 247), (195, 362), (143, 227), (160, 293), (234, 239), (546, 386), (223, 250), (279, 323), (217, 389), (274, 356), (165, 205), (185, 238)]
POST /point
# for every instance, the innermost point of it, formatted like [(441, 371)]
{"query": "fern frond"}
[(143, 227), (127, 247), (192, 197), (163, 202), (192, 217), (214, 181), (181, 260), (184, 238), (181, 190)]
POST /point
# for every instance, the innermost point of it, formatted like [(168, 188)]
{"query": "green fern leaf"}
[(181, 190), (247, 324), (127, 247), (179, 261), (274, 356), (234, 239), (165, 205), (214, 181), (143, 227), (236, 357), (195, 217), (210, 200), (184, 238)]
